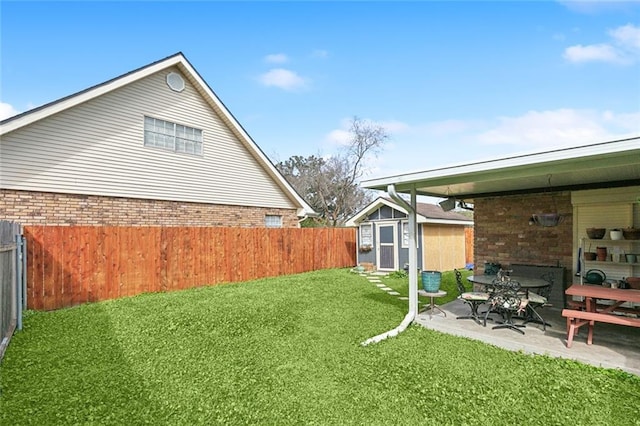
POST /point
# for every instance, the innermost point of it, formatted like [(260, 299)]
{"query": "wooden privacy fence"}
[(11, 281), (70, 265), (468, 244)]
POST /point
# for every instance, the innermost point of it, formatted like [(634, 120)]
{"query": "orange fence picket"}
[(70, 265)]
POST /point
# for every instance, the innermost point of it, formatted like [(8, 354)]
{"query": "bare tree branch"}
[(330, 185)]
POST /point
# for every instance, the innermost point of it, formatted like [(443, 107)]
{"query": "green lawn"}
[(286, 351), (400, 282)]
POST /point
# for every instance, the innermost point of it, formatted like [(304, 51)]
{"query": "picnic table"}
[(609, 312)]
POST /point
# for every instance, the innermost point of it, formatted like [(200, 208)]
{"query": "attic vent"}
[(175, 82)]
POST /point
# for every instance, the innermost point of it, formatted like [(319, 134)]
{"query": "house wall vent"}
[(175, 82)]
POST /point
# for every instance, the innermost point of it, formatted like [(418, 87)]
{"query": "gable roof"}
[(177, 60), (600, 165), (426, 213)]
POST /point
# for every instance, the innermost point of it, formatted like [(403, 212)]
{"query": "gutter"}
[(413, 269)]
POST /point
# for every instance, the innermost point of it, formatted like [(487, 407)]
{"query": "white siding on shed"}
[(98, 148)]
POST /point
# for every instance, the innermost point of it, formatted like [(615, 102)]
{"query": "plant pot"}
[(547, 219), (589, 255), (596, 233), (631, 233), (633, 283), (615, 235), (631, 258), (601, 253), (431, 281)]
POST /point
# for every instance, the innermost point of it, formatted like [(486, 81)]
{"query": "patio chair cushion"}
[(536, 299), (475, 295), (510, 302)]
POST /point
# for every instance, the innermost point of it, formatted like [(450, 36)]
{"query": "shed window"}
[(366, 234), (405, 235), (172, 137), (273, 221)]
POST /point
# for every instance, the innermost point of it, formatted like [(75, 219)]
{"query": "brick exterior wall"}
[(503, 234), (44, 208)]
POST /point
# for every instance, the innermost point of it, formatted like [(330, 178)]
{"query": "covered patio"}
[(613, 346), (593, 185)]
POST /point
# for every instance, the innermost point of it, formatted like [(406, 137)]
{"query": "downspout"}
[(413, 268)]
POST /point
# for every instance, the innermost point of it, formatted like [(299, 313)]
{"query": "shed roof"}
[(426, 213)]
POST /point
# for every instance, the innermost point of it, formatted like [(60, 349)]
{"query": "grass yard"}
[(286, 351), (400, 282)]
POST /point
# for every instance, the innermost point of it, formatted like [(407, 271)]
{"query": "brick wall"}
[(503, 234), (43, 208)]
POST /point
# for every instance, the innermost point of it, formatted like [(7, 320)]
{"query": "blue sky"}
[(450, 81)]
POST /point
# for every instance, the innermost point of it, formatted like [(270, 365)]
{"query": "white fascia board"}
[(560, 155), (449, 222), (375, 204)]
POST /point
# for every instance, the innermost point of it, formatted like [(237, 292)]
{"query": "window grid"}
[(405, 235), (366, 235), (273, 221), (172, 137)]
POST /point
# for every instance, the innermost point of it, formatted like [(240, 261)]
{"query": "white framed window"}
[(366, 234), (172, 137), (405, 235), (273, 221)]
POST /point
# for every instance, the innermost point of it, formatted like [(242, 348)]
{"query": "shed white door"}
[(386, 255)]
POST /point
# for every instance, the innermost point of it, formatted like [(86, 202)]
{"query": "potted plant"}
[(631, 233), (365, 249), (616, 234)]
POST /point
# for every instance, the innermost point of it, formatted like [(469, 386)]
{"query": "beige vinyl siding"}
[(98, 148), (607, 208)]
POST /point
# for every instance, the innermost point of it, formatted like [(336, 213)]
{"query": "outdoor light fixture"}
[(464, 205), (448, 204)]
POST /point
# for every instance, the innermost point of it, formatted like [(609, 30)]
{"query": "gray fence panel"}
[(11, 281)]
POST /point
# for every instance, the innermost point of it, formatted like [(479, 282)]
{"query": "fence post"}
[(21, 298)]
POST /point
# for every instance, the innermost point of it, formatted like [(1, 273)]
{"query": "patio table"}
[(525, 282), (432, 307)]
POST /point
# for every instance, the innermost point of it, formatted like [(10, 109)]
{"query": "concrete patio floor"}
[(616, 347)]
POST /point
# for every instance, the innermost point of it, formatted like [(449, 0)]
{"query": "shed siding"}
[(97, 148), (443, 247)]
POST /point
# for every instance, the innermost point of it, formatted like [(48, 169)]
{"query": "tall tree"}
[(330, 184)]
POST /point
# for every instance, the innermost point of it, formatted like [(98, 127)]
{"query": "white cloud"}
[(593, 7), (623, 49), (6, 111), (283, 79), (431, 145), (628, 36), (594, 52), (547, 129), (342, 136), (339, 137), (276, 58)]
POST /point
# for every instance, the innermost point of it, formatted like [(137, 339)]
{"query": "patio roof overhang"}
[(601, 165)]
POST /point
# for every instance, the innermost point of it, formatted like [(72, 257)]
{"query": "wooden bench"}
[(576, 319), (582, 305)]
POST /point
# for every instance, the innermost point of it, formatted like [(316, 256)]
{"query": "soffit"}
[(608, 164)]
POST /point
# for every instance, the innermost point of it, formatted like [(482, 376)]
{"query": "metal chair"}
[(506, 301), (537, 300), (472, 298)]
